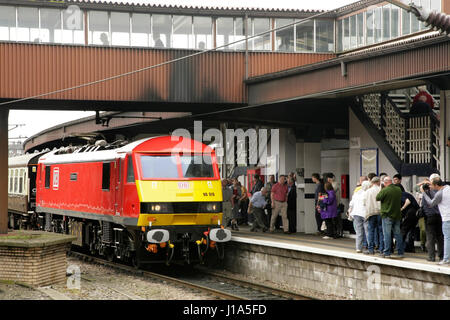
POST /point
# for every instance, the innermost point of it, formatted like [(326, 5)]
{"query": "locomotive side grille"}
[(181, 207)]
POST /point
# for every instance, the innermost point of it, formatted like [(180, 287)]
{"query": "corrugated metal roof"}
[(155, 4)]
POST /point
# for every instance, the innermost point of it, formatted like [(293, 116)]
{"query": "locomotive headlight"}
[(156, 208), (211, 207)]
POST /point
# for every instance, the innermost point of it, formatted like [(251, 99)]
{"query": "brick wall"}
[(321, 276), (39, 266)]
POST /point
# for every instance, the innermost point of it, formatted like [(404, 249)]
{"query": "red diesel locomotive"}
[(154, 200)]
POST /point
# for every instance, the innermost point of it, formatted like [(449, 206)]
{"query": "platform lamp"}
[(438, 20)]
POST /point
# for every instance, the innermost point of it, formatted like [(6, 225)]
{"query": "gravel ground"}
[(12, 291), (103, 283)]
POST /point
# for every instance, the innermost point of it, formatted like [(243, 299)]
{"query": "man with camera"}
[(441, 199)]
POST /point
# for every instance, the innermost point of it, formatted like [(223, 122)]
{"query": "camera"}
[(426, 187)]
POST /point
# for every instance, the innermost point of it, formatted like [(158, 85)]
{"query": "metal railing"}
[(413, 138)]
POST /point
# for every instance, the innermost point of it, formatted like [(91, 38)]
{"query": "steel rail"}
[(186, 284)]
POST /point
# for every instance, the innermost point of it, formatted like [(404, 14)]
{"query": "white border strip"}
[(347, 255)]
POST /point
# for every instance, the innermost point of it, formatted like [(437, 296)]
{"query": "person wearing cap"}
[(373, 218), (390, 197)]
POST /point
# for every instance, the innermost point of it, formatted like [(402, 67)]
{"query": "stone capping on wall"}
[(35, 258), (347, 255)]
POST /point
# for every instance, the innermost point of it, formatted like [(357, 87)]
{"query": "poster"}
[(369, 161)]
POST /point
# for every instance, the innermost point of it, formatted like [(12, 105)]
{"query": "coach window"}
[(11, 179), (7, 23), (106, 176), (16, 180), (20, 182), (130, 170), (47, 177)]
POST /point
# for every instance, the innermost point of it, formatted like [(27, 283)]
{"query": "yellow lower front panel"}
[(179, 219)]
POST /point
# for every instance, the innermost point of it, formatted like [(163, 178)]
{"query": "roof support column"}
[(4, 171)]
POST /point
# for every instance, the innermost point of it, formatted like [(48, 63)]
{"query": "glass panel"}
[(414, 23), (339, 35), (140, 29), (51, 30), (394, 22), (360, 29), (162, 30), (28, 24), (239, 33), (377, 25), (203, 33), (353, 31), (305, 36), (436, 5), (225, 31), (73, 26), (386, 23), (324, 35), (7, 23), (263, 42), (199, 166), (182, 32), (346, 34), (98, 28), (369, 27), (130, 170), (159, 167), (284, 37), (120, 29), (406, 22)]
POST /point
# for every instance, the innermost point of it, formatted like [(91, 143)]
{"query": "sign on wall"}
[(369, 161)]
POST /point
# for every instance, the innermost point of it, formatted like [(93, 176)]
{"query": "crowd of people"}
[(278, 199), (380, 211)]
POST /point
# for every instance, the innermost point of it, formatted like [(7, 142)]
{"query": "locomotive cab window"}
[(159, 167), (197, 166), (47, 177), (106, 176)]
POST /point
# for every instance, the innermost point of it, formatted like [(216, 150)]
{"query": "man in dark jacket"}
[(292, 205), (409, 220), (390, 197), (258, 184), (433, 227)]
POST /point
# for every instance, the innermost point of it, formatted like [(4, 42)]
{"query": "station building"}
[(338, 86)]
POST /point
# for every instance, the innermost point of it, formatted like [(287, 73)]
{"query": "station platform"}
[(342, 247), (332, 269)]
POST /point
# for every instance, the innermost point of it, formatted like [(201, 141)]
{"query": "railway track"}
[(205, 281)]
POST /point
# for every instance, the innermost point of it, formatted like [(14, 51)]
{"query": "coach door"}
[(118, 187)]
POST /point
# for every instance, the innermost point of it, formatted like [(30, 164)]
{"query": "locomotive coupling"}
[(220, 235)]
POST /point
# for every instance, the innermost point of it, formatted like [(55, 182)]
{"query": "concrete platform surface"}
[(343, 248)]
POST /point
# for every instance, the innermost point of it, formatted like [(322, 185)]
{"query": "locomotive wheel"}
[(136, 261), (110, 255)]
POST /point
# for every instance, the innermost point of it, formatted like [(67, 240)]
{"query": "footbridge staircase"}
[(410, 142)]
